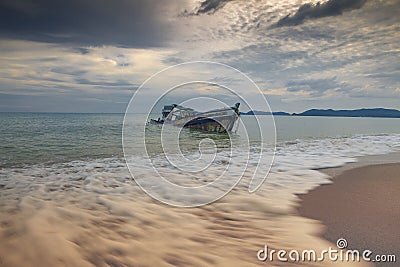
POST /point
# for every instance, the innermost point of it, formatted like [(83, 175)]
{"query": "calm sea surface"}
[(31, 138)]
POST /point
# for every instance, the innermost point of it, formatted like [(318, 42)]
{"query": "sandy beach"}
[(362, 205), (56, 222)]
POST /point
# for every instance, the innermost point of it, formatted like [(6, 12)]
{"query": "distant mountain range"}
[(364, 112)]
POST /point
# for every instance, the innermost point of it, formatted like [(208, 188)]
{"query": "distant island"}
[(257, 112), (364, 112)]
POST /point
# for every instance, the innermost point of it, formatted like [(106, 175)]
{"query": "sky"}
[(93, 55)]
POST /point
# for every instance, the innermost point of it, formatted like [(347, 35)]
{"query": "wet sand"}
[(90, 215), (362, 206), (56, 223)]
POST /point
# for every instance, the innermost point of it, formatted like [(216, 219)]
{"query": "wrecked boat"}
[(219, 120)]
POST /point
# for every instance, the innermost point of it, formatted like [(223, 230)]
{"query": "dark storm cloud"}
[(82, 50), (211, 5), (133, 23), (310, 11), (207, 7)]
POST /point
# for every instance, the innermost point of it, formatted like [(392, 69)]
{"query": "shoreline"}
[(361, 204), (83, 214)]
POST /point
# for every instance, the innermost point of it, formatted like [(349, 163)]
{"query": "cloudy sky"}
[(91, 55)]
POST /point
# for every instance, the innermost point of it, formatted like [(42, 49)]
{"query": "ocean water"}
[(64, 180), (46, 138)]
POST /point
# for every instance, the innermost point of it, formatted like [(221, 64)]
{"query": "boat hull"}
[(219, 122)]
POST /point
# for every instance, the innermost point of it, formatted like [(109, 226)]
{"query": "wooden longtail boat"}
[(219, 120)]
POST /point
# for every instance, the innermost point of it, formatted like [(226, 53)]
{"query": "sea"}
[(65, 180)]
